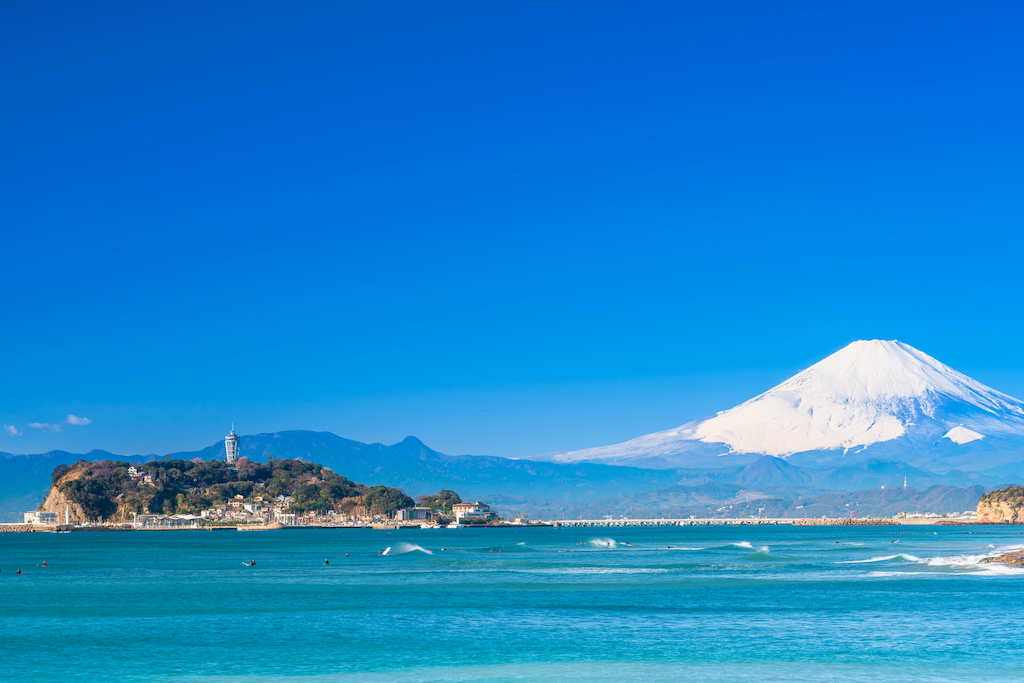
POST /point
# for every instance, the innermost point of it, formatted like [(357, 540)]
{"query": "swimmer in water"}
[(20, 572)]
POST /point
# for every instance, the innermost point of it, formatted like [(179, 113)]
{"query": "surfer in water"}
[(20, 572), (44, 564), (326, 562)]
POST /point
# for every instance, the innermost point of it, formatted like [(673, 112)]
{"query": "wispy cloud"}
[(12, 430), (45, 426), (74, 420)]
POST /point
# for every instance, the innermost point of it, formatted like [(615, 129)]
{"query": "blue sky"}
[(504, 228)]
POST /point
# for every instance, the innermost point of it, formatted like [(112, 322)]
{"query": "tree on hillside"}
[(58, 473), (442, 501), (381, 500)]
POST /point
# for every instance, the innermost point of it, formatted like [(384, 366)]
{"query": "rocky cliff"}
[(57, 502), (1005, 506)]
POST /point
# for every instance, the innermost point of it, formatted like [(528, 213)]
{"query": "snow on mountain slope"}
[(962, 435), (867, 393)]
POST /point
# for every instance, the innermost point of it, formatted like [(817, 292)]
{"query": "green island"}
[(222, 493)]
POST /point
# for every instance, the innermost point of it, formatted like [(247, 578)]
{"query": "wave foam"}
[(403, 548), (884, 558)]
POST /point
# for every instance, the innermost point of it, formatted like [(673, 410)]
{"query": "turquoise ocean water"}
[(722, 604)]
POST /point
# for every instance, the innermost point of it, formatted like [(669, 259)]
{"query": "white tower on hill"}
[(231, 445)]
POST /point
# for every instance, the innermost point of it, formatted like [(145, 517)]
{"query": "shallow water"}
[(669, 603)]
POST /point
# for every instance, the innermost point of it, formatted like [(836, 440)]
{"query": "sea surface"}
[(543, 604)]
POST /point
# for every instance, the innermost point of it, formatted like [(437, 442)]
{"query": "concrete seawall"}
[(25, 528), (847, 521)]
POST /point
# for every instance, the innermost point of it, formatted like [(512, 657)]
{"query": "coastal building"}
[(414, 513), (164, 521), (40, 517), (283, 518), (231, 445), (421, 512), (475, 510)]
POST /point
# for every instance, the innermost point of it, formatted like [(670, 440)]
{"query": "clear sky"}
[(505, 228)]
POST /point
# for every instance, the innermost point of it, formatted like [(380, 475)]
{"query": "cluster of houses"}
[(135, 475), (258, 509), (266, 510)]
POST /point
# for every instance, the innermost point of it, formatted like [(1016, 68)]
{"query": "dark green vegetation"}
[(1011, 495), (106, 489), (381, 500), (442, 501)]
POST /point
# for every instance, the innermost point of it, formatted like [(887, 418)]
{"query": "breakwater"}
[(25, 528), (846, 521), (667, 522)]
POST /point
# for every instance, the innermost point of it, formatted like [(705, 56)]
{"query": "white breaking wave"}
[(970, 563), (402, 548), (909, 558)]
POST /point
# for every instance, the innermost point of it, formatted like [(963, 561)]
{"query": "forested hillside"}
[(107, 489)]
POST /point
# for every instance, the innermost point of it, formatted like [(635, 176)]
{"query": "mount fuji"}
[(872, 399)]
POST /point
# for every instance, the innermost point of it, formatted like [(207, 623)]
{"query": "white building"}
[(475, 510), (40, 517), (164, 522), (231, 445)]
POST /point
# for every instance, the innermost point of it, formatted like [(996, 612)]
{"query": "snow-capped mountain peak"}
[(866, 393)]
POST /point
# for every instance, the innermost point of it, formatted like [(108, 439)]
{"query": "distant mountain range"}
[(872, 415), (872, 400), (515, 485)]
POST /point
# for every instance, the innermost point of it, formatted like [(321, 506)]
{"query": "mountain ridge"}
[(864, 396), (530, 485)]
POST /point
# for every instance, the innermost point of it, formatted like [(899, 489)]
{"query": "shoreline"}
[(799, 522)]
